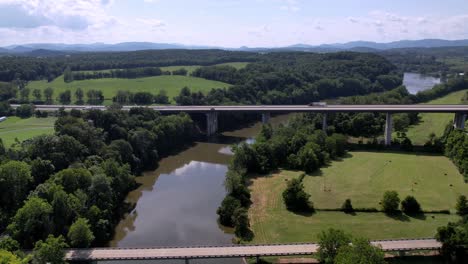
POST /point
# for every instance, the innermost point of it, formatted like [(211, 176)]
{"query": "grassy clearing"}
[(22, 129), (172, 84), (363, 178), (433, 123), (191, 68)]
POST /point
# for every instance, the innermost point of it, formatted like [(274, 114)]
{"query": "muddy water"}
[(176, 204)]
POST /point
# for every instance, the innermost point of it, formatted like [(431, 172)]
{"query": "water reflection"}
[(416, 82)]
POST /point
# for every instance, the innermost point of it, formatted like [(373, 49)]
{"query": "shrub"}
[(330, 241), (462, 205), (227, 209), (347, 207), (25, 111), (390, 202), (295, 198), (410, 205)]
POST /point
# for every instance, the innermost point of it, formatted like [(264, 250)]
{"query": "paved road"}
[(281, 108), (230, 251)]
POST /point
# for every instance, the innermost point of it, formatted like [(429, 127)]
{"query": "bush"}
[(390, 202), (347, 207), (462, 205), (295, 198), (330, 241), (226, 211), (25, 111), (410, 205)]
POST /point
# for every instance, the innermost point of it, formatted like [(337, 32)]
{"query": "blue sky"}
[(230, 23)]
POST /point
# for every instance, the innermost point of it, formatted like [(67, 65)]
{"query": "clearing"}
[(22, 129), (362, 177)]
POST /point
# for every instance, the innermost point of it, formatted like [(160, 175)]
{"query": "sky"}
[(230, 23)]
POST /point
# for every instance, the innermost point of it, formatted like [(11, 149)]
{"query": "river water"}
[(416, 82), (175, 205)]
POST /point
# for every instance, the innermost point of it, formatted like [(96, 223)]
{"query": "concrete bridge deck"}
[(280, 108), (187, 253)]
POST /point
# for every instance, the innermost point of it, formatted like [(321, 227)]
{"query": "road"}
[(280, 108), (231, 251)]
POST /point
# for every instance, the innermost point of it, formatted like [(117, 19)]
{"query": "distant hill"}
[(362, 46)]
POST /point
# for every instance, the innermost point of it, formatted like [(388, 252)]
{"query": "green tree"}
[(227, 209), (7, 257), (360, 251), (295, 198), (79, 94), (410, 205), (24, 94), (25, 110), (241, 223), (347, 207), (454, 239), (390, 202), (37, 94), (330, 241), (49, 93), (462, 205), (68, 75), (50, 251), (41, 170), (65, 97), (80, 234), (15, 182), (31, 222)]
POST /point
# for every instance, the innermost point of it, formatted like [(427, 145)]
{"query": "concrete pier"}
[(324, 122), (388, 129), (266, 117), (211, 123), (459, 121)]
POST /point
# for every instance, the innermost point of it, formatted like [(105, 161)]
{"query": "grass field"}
[(433, 122), (172, 84), (191, 68), (362, 177), (22, 129)]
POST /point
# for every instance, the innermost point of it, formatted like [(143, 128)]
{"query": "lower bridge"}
[(231, 251)]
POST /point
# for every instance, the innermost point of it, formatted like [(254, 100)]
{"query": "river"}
[(175, 205), (416, 82)]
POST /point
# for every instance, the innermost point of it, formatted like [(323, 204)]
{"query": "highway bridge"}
[(231, 251), (212, 111)]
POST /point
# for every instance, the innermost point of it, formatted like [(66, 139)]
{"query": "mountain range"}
[(44, 49)]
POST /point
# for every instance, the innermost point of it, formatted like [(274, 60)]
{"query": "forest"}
[(72, 184)]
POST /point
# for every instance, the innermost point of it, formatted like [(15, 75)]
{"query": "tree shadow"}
[(305, 213), (419, 216), (399, 216)]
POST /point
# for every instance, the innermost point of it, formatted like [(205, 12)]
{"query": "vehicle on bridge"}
[(318, 104)]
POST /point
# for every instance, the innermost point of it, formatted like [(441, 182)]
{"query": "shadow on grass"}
[(419, 216), (398, 216)]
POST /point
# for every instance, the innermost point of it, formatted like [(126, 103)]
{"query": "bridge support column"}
[(324, 122), (388, 129), (459, 121), (211, 123), (187, 261), (266, 117), (257, 259)]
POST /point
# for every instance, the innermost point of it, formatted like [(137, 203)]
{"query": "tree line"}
[(71, 185), (48, 68)]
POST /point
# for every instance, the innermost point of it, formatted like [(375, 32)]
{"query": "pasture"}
[(433, 122), (16, 128), (362, 177), (172, 84)]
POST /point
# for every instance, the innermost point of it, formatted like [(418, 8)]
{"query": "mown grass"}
[(22, 129), (362, 177), (172, 84), (433, 122)]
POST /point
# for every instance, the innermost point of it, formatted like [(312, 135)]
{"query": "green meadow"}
[(17, 128)]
